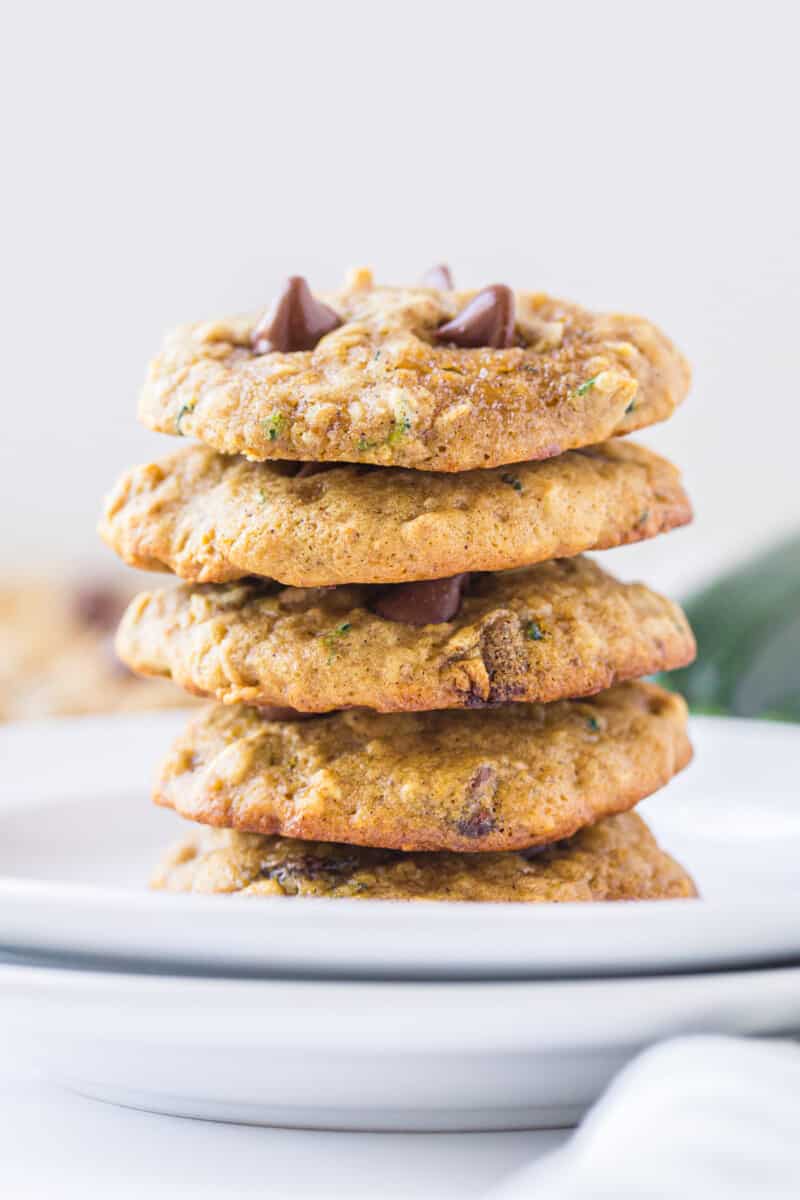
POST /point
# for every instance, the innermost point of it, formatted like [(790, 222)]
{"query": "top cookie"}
[(385, 386)]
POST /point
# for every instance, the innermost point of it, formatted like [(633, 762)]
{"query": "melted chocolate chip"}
[(429, 602), (296, 321), (477, 823), (439, 277), (98, 607), (312, 866), (488, 320), (478, 817)]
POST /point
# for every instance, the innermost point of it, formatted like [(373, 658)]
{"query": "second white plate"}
[(80, 838), (365, 1055)]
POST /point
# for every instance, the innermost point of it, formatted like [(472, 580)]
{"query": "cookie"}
[(395, 382), (213, 519), (616, 859), (503, 779), (560, 629), (57, 654)]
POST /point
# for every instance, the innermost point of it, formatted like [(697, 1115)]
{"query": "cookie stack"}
[(421, 689)]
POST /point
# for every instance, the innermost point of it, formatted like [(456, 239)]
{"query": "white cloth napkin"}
[(711, 1118)]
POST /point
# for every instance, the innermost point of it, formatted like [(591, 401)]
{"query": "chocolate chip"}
[(476, 823), (292, 871), (311, 866), (505, 659), (488, 320), (428, 602), (439, 277), (478, 817), (296, 321), (98, 607)]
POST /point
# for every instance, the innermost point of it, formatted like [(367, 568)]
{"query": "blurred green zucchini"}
[(747, 626)]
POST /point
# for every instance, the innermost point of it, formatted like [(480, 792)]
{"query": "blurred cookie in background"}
[(57, 653)]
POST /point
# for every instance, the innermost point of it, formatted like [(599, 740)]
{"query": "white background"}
[(172, 161), (169, 161)]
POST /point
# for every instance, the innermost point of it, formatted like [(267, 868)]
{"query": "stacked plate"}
[(373, 1014)]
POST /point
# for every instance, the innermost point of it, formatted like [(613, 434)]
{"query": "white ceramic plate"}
[(368, 1055), (79, 839)]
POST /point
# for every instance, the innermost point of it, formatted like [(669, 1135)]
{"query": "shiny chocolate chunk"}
[(488, 320), (295, 322), (439, 277), (429, 602)]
